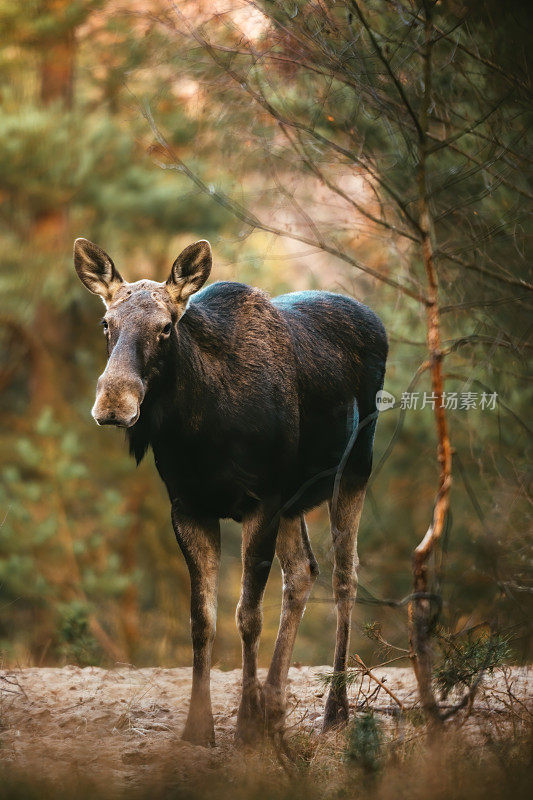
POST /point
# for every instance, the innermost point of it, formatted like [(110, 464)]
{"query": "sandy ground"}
[(123, 723)]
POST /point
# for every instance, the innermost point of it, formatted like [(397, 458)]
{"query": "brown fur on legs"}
[(200, 545), (258, 546), (300, 570), (345, 515)]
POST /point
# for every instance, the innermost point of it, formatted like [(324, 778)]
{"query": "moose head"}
[(139, 324)]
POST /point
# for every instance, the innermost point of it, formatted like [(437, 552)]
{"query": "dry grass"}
[(91, 733)]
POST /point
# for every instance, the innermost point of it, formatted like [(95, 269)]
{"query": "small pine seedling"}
[(364, 740)]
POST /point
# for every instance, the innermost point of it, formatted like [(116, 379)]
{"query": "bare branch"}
[(254, 222), (386, 64), (483, 271), (292, 123)]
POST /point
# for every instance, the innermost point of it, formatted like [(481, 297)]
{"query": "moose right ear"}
[(96, 270)]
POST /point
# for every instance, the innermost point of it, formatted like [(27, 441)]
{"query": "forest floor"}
[(119, 730)]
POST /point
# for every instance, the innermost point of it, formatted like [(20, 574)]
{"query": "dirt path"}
[(125, 723)]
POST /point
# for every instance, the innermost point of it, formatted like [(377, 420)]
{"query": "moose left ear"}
[(189, 271)]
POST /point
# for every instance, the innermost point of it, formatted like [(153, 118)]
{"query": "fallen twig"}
[(371, 675)]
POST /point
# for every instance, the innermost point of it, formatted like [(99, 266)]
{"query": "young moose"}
[(256, 410)]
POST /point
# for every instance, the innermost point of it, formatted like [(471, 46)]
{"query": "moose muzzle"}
[(118, 400)]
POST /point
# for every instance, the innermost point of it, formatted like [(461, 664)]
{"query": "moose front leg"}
[(200, 544), (258, 547)]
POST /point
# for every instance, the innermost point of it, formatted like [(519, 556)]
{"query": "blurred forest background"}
[(144, 126)]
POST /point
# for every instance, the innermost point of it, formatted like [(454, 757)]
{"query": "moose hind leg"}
[(300, 570), (345, 515), (200, 544)]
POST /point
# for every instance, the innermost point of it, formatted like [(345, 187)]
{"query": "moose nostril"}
[(112, 415)]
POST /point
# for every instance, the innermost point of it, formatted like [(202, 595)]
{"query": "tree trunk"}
[(420, 616)]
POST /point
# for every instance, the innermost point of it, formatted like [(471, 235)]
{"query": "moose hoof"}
[(251, 716), (336, 713), (275, 709), (200, 731)]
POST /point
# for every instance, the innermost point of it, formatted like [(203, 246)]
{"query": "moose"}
[(257, 410)]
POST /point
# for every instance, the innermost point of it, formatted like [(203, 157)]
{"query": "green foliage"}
[(49, 547), (340, 680), (364, 743), (465, 659), (76, 641), (372, 630), (103, 174)]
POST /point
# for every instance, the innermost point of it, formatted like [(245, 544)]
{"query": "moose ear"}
[(96, 270), (189, 271)]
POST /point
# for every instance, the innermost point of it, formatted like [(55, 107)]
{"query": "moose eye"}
[(166, 330), (105, 326)]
